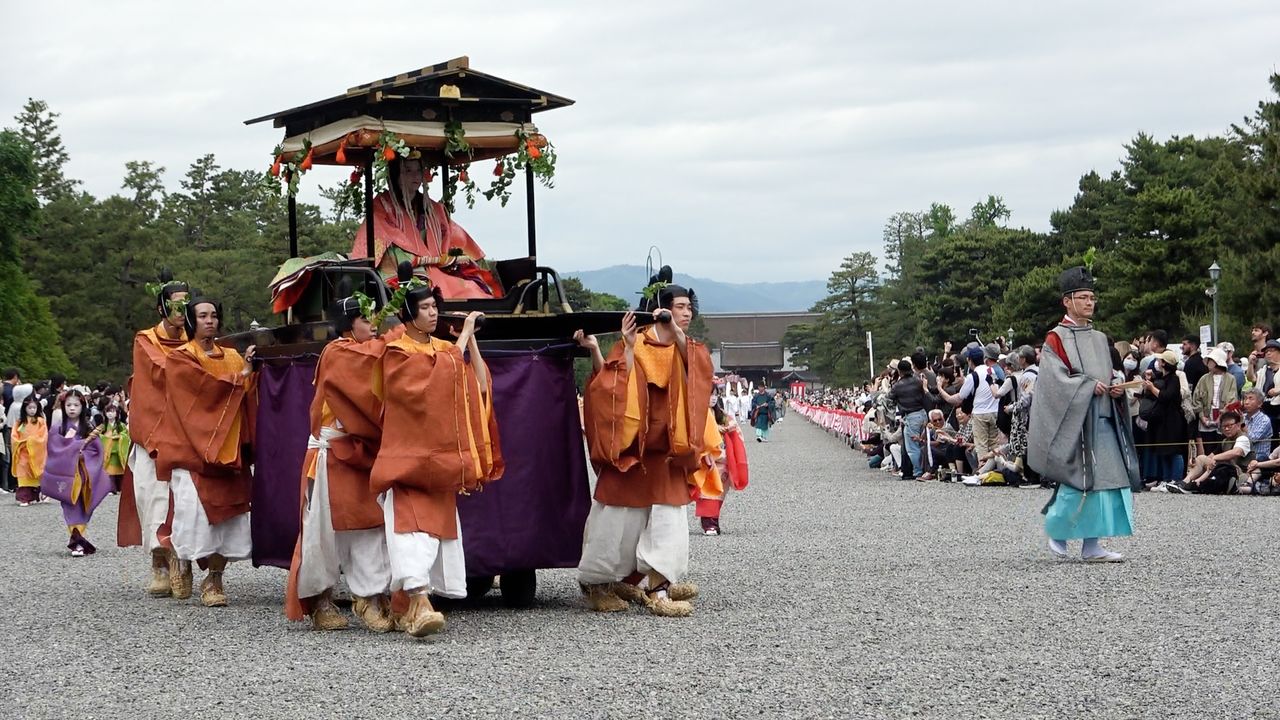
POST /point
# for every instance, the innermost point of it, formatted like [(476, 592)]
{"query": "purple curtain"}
[(284, 407), (534, 516)]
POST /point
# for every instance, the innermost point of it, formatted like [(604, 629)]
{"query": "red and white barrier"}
[(842, 422)]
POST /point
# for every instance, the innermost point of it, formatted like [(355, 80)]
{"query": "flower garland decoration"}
[(292, 168), (541, 160), (350, 197), (455, 146), (287, 170), (390, 146)]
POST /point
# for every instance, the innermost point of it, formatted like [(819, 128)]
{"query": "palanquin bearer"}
[(144, 498), (342, 523), (1080, 435), (647, 413), (203, 447), (439, 440)]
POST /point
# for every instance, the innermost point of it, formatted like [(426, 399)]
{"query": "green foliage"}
[(30, 341), (964, 275), (29, 338), (39, 127), (989, 213), (146, 182), (834, 346), (1174, 208), (18, 205), (1031, 304), (1156, 224), (90, 260), (580, 298)]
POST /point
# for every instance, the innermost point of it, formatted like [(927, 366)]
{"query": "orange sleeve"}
[(202, 411), (345, 379), (424, 432), (146, 390), (615, 405)]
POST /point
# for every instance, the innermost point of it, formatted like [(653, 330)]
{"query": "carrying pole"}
[(293, 225), (368, 210), (533, 233)]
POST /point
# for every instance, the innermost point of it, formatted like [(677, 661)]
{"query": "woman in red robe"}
[(408, 225)]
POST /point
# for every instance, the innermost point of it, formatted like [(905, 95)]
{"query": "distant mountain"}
[(626, 281)]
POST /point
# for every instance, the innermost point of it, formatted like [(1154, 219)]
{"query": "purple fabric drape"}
[(65, 456), (534, 516), (283, 426), (530, 519)]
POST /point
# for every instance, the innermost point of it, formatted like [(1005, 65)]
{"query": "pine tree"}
[(38, 126), (28, 335)]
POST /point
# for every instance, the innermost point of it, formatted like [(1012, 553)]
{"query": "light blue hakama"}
[(1103, 513)]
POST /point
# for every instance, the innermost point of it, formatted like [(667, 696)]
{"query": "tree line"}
[(1155, 226), (74, 268)]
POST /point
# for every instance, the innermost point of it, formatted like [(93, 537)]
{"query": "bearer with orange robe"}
[(144, 498), (342, 526), (439, 440), (201, 447), (648, 431)]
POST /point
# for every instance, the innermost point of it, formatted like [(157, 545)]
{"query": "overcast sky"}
[(748, 140)]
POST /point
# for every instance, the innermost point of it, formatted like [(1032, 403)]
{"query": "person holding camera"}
[(979, 396)]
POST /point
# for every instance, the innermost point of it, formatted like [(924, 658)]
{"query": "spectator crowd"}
[(1205, 419)]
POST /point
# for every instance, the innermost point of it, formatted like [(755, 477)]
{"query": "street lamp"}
[(1008, 337), (1215, 272)]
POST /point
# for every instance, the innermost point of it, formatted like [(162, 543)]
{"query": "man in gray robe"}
[(1080, 436)]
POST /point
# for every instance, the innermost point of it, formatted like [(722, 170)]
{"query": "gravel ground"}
[(837, 592)]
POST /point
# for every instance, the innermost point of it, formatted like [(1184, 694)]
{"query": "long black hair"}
[(31, 399), (122, 418), (414, 203), (83, 429)]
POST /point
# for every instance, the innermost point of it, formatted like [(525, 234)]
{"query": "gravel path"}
[(837, 592)]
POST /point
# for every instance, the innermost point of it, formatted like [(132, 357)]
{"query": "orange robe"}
[(439, 435), (29, 451), (428, 246), (146, 406), (348, 383), (649, 431), (207, 422)]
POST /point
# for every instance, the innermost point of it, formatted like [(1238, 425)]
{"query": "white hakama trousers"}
[(194, 537), (150, 496), (419, 560), (622, 540), (361, 555)]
